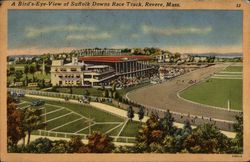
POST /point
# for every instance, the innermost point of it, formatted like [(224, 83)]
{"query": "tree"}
[(110, 93), (168, 123), (38, 67), (12, 70), (100, 143), (32, 71), (206, 138), (115, 95), (75, 144), (59, 146), (26, 70), (40, 145), (150, 132), (105, 93), (32, 120), (18, 75), (130, 113), (187, 129), (114, 87), (47, 69), (14, 128), (237, 142), (141, 113)]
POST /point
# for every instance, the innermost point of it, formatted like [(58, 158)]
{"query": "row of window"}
[(72, 82), (68, 76), (64, 69)]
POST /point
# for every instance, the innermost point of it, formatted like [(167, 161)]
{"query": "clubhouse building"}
[(94, 71)]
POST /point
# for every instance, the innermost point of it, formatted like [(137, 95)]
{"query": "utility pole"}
[(228, 101), (89, 126), (45, 119)]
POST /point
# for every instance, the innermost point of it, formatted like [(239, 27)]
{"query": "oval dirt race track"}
[(164, 95)]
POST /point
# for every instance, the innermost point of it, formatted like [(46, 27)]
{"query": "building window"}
[(87, 76), (63, 69), (73, 69)]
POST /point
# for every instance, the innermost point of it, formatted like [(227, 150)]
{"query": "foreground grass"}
[(95, 114), (216, 92)]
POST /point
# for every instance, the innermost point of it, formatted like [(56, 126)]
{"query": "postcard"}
[(92, 80)]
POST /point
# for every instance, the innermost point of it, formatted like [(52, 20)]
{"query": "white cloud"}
[(32, 32), (93, 36), (175, 31)]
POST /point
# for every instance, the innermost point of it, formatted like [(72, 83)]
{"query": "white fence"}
[(84, 136), (51, 94)]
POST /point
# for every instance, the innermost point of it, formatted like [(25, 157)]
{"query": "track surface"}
[(164, 95)]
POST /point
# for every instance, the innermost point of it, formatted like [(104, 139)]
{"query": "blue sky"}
[(41, 31)]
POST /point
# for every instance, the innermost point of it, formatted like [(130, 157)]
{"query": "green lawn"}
[(60, 121), (216, 92), (56, 114), (99, 127), (73, 127), (37, 74), (233, 69), (88, 111), (98, 92), (97, 115), (131, 129), (80, 91)]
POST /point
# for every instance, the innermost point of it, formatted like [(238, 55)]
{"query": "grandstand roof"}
[(114, 58)]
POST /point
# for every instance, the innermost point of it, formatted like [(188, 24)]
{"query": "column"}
[(123, 67), (116, 67)]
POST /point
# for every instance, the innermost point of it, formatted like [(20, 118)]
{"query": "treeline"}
[(97, 143), (22, 75)]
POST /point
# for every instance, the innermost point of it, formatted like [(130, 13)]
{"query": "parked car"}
[(37, 103)]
